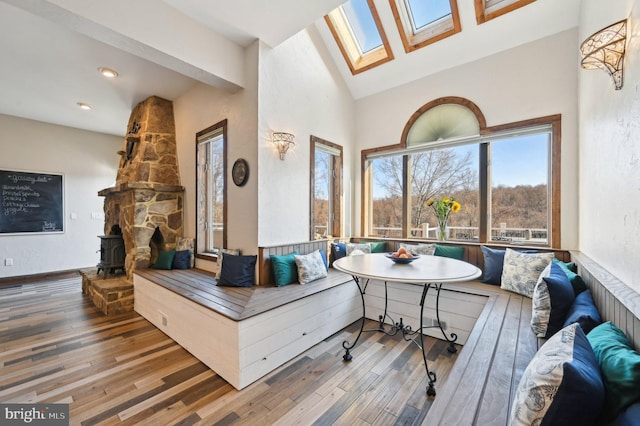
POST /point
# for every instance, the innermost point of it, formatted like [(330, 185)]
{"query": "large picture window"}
[(505, 178), (211, 188)]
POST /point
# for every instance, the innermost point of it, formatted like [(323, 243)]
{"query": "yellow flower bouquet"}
[(442, 208)]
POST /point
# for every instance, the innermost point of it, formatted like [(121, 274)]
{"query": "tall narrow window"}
[(357, 29), (211, 188), (519, 188), (385, 195), (422, 22), (326, 189)]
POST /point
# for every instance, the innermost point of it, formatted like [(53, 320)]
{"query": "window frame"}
[(336, 186), (430, 33), (207, 254), (483, 15), (346, 43), (554, 121)]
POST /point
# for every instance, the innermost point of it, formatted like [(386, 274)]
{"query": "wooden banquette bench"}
[(480, 387), (244, 333)]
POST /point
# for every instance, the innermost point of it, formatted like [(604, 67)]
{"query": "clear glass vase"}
[(442, 231)]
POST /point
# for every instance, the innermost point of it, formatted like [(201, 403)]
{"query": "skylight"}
[(422, 22), (362, 25), (357, 29), (489, 9), (425, 12)]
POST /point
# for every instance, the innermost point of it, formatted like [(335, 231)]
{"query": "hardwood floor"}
[(56, 347)]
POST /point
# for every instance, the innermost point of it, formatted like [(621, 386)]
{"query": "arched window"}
[(505, 177)]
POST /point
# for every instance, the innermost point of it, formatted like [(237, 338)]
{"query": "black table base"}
[(408, 333)]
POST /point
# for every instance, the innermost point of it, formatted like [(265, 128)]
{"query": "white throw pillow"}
[(541, 304), (310, 267), (520, 271), (353, 248), (426, 249)]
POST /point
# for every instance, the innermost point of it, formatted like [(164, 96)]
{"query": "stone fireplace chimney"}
[(147, 201)]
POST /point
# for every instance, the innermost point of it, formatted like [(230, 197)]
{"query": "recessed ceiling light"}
[(84, 106), (108, 72)]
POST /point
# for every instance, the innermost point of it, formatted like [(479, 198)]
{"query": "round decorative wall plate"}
[(240, 172)]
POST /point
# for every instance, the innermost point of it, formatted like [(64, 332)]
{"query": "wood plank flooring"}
[(56, 347)]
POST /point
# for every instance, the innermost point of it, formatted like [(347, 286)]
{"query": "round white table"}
[(426, 271)]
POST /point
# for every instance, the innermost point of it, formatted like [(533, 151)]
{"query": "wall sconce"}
[(283, 141), (605, 50)]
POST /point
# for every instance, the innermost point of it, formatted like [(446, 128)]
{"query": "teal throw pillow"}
[(620, 366), (165, 259), (378, 246), (576, 280), (284, 268), (450, 251)]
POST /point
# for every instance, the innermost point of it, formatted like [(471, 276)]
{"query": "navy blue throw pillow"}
[(493, 261), (339, 250), (629, 417), (237, 271), (584, 312), (562, 297), (182, 259)]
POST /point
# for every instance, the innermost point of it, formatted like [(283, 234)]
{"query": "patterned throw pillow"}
[(219, 260), (552, 300), (310, 267), (521, 271), (353, 248), (561, 385), (420, 249)]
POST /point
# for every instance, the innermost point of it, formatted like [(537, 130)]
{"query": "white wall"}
[(301, 92), (89, 163), (534, 80), (610, 149), (202, 107)]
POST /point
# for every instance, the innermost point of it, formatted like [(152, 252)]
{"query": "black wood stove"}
[(112, 254)]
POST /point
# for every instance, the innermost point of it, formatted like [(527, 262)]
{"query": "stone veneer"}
[(112, 296), (147, 200)]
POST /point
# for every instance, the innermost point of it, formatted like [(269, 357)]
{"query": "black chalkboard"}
[(30, 202)]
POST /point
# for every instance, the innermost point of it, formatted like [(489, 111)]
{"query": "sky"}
[(515, 161), (520, 161)]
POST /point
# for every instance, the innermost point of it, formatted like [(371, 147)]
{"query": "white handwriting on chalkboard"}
[(30, 179), (18, 198), (49, 226)]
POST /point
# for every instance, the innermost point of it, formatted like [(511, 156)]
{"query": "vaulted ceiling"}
[(51, 49)]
